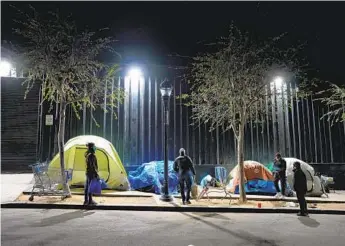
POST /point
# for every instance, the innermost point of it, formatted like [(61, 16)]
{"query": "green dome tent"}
[(110, 167)]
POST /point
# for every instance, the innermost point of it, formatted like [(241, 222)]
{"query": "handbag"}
[(95, 186)]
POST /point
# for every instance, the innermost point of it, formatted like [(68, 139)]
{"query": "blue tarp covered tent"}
[(258, 186), (152, 174)]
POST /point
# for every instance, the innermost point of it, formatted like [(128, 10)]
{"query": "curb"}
[(215, 197), (167, 209), (102, 195)]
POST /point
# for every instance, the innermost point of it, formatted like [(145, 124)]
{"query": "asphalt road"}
[(76, 227)]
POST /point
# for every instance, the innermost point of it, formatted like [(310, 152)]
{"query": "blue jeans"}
[(185, 179), (87, 195)]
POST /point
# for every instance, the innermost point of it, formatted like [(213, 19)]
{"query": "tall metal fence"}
[(292, 126)]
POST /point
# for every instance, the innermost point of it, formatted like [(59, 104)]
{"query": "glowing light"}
[(134, 74), (278, 82), (5, 69)]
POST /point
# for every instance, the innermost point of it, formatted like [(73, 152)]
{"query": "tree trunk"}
[(61, 143), (240, 161)]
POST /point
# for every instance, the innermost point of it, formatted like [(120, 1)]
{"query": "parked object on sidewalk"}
[(150, 177), (258, 179), (46, 184), (109, 163), (195, 191)]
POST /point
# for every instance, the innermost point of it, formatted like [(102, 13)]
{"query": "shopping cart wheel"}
[(31, 198)]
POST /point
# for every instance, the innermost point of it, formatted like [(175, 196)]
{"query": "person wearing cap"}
[(279, 171), (91, 172), (300, 187), (186, 173)]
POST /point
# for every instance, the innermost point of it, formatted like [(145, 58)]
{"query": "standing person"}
[(185, 168), (91, 172), (279, 175), (300, 186)]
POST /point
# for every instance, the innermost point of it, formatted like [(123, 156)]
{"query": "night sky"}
[(149, 31)]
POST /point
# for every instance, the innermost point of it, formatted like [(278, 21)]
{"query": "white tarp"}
[(313, 182)]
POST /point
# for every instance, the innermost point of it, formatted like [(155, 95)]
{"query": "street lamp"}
[(166, 89), (5, 69)]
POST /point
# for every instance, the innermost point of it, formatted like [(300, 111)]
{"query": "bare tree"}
[(65, 62), (334, 98), (230, 84)]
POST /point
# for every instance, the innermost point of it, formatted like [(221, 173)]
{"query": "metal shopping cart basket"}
[(46, 182)]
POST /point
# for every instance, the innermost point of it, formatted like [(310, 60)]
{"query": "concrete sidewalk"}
[(12, 185)]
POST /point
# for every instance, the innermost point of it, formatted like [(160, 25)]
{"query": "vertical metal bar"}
[(38, 123), (142, 120), (268, 126), (299, 127), (156, 119), (112, 112), (306, 154), (91, 116), (324, 134), (223, 144), (251, 137), (119, 117), (181, 115), (174, 104), (293, 120), (281, 120), (314, 131), (311, 159), (330, 139), (205, 145), (187, 133), (105, 109), (320, 134), (262, 132), (126, 121), (149, 120), (84, 116), (257, 134), (199, 142), (287, 120), (217, 144), (274, 119)]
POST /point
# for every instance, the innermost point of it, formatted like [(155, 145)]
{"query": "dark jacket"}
[(183, 164), (91, 165), (300, 181), (280, 165)]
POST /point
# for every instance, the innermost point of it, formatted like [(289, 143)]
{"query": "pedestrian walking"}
[(91, 172), (279, 172), (300, 187), (186, 173)]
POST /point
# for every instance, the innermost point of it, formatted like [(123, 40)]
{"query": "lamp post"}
[(166, 89)]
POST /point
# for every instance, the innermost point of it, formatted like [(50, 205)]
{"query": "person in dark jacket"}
[(185, 168), (279, 171), (300, 187), (91, 172)]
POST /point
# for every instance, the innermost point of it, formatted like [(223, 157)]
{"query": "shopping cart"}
[(46, 182)]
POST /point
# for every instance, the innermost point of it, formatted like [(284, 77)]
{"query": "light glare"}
[(5, 68)]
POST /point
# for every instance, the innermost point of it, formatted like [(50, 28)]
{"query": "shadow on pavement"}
[(310, 222), (243, 235), (61, 218)]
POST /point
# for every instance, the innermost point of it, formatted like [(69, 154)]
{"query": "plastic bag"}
[(95, 186)]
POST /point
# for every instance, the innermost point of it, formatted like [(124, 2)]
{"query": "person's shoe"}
[(183, 202), (302, 214), (278, 195), (85, 203), (188, 202), (93, 203)]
